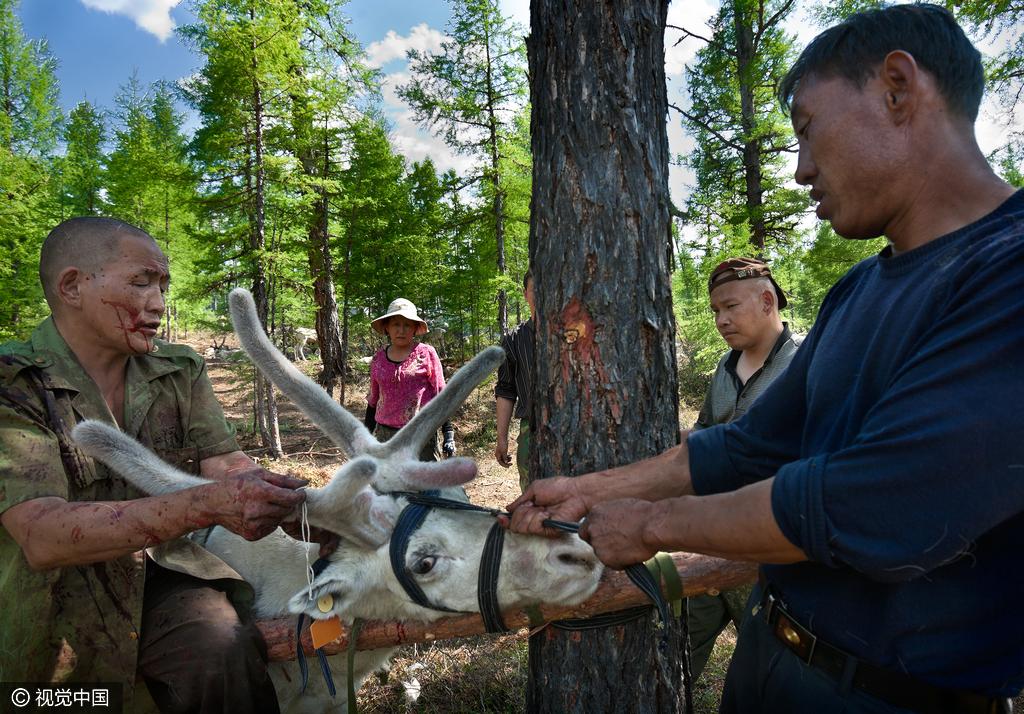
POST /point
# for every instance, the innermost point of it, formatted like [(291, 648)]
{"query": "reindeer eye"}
[(424, 565)]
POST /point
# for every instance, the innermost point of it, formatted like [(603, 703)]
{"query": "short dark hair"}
[(854, 48), (85, 242), (527, 277)]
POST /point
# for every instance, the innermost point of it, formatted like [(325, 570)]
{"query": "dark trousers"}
[(707, 616), (766, 678), (523, 454), (196, 654)]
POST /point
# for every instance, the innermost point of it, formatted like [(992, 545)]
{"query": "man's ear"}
[(767, 300), (69, 285), (902, 79)]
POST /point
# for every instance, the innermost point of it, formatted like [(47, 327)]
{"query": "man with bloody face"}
[(879, 479), (96, 583)]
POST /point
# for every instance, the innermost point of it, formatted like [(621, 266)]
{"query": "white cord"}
[(306, 535)]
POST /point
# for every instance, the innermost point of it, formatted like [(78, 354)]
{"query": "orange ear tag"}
[(324, 631)]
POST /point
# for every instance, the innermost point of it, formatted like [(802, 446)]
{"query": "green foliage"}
[(290, 142), (809, 275), (742, 137), (1009, 162), (1002, 22), (29, 125), (30, 120), (84, 161), (473, 93)]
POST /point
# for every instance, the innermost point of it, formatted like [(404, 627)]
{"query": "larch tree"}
[(324, 80), (84, 162), (249, 49), (470, 92), (742, 138), (30, 123), (605, 383)]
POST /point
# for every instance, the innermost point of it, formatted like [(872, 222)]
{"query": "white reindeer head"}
[(360, 503)]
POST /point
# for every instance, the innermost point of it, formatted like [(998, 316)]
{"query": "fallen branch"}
[(699, 574)]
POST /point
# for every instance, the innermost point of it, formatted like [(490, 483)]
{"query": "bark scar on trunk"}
[(581, 354)]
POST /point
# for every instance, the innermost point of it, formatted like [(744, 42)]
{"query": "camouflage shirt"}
[(81, 623)]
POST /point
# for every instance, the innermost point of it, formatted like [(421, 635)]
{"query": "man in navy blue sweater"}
[(880, 480)]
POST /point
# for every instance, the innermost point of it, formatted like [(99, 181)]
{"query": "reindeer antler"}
[(336, 422), (128, 457)]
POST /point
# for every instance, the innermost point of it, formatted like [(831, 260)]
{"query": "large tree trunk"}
[(605, 387)]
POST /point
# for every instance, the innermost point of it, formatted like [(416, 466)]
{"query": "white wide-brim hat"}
[(405, 308)]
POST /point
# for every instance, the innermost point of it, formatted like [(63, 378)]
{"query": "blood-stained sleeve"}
[(30, 461), (208, 430)]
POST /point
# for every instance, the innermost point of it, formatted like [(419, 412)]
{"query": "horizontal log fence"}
[(699, 573)]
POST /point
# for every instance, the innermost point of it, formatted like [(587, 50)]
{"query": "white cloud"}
[(518, 11), (153, 16), (408, 138), (394, 46)]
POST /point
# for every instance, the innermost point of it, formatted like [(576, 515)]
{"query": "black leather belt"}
[(893, 687)]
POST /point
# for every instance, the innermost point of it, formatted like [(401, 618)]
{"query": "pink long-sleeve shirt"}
[(399, 391)]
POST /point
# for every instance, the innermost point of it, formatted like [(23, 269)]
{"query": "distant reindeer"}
[(437, 565), (297, 339)]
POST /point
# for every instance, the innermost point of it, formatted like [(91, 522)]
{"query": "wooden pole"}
[(699, 573)]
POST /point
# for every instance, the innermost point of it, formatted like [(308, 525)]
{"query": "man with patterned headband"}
[(745, 300)]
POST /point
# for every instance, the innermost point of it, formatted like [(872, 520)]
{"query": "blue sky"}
[(99, 43)]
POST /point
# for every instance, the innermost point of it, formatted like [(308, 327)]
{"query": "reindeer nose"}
[(574, 553)]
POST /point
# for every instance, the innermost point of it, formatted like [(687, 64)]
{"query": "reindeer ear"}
[(345, 586)]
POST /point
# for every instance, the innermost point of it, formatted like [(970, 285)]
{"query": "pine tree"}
[(599, 247), (471, 92), (30, 122), (84, 162), (742, 136)]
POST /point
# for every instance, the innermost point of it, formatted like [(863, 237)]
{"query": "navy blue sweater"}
[(896, 438)]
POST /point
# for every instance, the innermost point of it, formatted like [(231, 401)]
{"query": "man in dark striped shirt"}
[(514, 389)]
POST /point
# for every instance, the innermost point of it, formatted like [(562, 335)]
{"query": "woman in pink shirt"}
[(404, 376)]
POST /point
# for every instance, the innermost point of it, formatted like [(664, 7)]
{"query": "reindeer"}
[(296, 340), (433, 570)]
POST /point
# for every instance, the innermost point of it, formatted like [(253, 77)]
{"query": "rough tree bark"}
[(605, 386)]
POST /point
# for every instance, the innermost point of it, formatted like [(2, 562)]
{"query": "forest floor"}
[(472, 675)]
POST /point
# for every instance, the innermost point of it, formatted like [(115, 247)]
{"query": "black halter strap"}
[(409, 521), (639, 574), (325, 668), (487, 582)]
